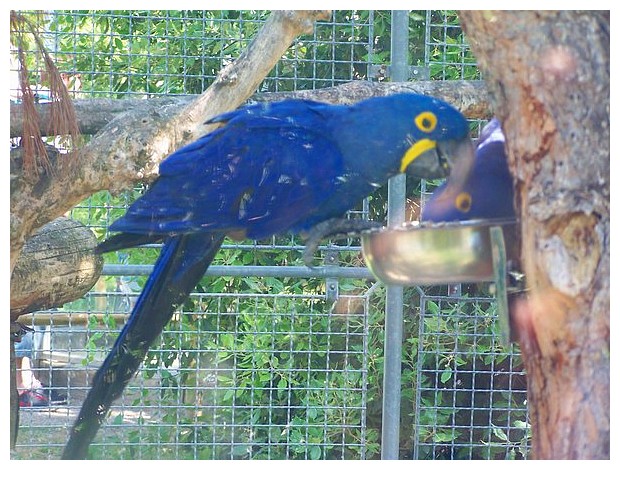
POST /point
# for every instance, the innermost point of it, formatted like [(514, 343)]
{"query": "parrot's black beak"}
[(430, 159), (459, 157)]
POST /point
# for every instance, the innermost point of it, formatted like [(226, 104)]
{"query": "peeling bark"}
[(548, 77)]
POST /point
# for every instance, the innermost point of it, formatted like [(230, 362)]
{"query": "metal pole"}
[(325, 271), (390, 435)]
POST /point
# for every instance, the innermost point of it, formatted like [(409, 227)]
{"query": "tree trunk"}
[(548, 76), (57, 265)]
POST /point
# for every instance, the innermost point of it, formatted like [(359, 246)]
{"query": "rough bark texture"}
[(130, 147), (57, 265), (470, 97), (548, 75), (94, 114)]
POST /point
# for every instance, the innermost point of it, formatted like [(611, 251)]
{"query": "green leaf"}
[(445, 436), (499, 433), (241, 450), (315, 452), (521, 424)]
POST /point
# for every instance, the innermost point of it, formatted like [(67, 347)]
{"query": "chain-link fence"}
[(263, 362)]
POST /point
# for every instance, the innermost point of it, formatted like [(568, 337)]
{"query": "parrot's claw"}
[(335, 228)]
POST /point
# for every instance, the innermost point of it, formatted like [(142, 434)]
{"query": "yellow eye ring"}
[(463, 202), (426, 122)]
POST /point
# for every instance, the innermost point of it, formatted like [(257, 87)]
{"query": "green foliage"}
[(470, 386), (153, 52), (449, 56), (181, 51), (282, 376)]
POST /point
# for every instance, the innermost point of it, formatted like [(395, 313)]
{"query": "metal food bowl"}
[(430, 254)]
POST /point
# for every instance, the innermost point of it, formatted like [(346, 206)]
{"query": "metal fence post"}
[(390, 434)]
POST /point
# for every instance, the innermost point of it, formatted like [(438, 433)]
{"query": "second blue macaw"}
[(486, 194), (269, 168)]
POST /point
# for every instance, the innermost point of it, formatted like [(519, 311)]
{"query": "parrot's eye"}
[(463, 201), (426, 122)]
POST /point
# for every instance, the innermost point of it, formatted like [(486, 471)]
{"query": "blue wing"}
[(257, 175)]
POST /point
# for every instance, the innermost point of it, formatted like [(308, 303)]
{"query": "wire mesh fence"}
[(234, 376), (471, 392), (272, 365)]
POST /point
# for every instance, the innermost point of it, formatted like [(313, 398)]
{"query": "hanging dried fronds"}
[(63, 119)]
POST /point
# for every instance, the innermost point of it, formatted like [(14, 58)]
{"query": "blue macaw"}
[(295, 166), (486, 194)]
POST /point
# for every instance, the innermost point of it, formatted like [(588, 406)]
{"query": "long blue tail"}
[(181, 264)]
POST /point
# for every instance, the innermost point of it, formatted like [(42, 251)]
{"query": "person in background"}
[(29, 388), (32, 393)]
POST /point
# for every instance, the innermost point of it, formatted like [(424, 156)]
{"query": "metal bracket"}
[(381, 72), (331, 283), (499, 267)]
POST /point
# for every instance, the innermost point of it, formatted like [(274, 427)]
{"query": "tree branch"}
[(57, 265), (243, 77), (470, 97)]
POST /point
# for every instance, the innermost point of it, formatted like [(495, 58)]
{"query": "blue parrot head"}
[(488, 191), (425, 136), (434, 133)]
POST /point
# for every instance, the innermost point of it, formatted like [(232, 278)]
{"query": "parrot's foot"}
[(334, 227)]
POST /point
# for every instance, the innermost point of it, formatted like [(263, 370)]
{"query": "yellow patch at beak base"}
[(414, 151)]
